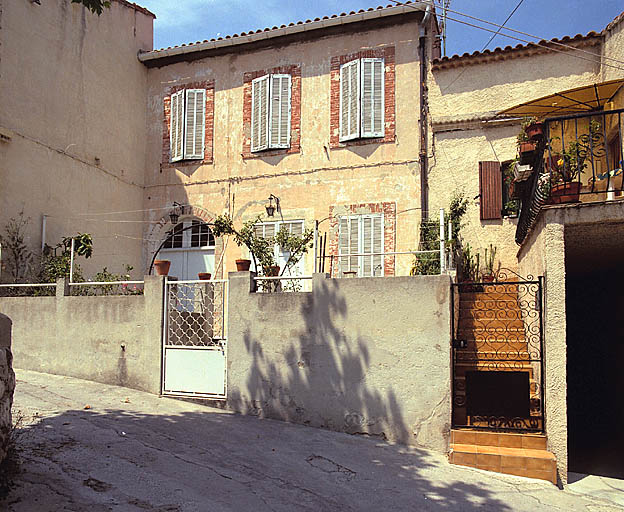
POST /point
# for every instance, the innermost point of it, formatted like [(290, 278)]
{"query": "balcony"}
[(579, 159)]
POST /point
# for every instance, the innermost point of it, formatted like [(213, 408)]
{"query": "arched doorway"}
[(190, 251)]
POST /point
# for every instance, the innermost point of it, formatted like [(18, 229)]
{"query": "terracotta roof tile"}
[(292, 24), (506, 52)]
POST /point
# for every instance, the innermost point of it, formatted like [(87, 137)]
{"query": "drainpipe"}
[(424, 132)]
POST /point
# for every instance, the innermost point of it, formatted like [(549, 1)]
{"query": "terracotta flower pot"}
[(273, 271), (162, 267), (487, 278), (527, 151), (534, 131), (565, 192), (204, 276), (243, 265)]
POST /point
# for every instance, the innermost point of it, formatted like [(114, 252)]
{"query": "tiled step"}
[(510, 453)]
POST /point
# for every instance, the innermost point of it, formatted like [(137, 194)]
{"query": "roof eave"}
[(155, 55)]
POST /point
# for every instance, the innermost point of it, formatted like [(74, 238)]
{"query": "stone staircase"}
[(492, 324), (504, 452)]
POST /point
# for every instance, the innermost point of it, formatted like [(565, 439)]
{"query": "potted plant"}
[(489, 271), (162, 267), (566, 185), (243, 265), (262, 250), (533, 128), (204, 276)]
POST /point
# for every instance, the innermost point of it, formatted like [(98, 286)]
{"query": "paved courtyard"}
[(87, 446)]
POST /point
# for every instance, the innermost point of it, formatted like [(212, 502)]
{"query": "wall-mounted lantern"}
[(176, 211), (270, 209)]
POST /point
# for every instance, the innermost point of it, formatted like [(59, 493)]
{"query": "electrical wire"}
[(486, 44), (569, 47), (557, 43)]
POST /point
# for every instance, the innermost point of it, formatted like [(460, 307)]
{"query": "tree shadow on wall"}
[(320, 378)]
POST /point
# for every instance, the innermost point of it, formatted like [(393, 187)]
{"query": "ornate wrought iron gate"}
[(194, 339), (498, 370)]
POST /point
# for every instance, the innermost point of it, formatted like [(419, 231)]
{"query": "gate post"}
[(154, 297)]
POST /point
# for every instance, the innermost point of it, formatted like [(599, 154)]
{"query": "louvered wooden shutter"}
[(350, 100), (260, 113), (372, 243), (176, 127), (344, 245), (372, 97), (194, 124), (279, 114), (491, 190)]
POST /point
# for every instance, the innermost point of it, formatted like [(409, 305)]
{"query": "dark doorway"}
[(595, 366), (498, 394)]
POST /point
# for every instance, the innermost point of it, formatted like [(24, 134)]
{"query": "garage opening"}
[(595, 348)]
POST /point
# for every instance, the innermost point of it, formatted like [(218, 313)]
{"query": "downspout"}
[(424, 123)]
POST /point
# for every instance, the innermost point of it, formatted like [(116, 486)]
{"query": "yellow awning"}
[(573, 101)]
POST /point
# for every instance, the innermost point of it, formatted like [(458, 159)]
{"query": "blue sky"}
[(185, 21)]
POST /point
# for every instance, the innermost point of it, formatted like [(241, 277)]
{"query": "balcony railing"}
[(579, 159)]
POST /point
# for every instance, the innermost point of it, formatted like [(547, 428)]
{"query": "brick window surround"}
[(389, 218), (209, 86), (294, 70), (387, 54)]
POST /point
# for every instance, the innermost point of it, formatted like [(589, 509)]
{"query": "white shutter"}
[(260, 113), (372, 97), (176, 126), (194, 124), (350, 100), (378, 245), (279, 111)]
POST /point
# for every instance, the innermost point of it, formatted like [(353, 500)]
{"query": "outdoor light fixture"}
[(270, 209), (174, 214)]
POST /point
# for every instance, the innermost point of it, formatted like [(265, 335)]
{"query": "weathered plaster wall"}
[(544, 253), (310, 181), (72, 91), (108, 339), (468, 92), (354, 355), (613, 48), (7, 383), (456, 169)]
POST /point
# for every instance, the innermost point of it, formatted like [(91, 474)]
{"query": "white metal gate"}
[(194, 339)]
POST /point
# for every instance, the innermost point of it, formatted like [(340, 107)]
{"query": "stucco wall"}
[(312, 180), (544, 253), (7, 384), (613, 48), (458, 97), (72, 92), (107, 339), (368, 356)]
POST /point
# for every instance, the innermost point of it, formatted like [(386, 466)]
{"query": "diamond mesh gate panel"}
[(196, 313)]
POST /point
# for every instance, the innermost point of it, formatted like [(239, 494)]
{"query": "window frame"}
[(187, 237), (359, 132), (183, 101), (270, 97), (360, 249)]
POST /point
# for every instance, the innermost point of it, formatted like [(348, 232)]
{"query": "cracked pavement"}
[(135, 451)]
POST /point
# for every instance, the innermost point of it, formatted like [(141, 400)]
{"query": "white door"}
[(191, 251)]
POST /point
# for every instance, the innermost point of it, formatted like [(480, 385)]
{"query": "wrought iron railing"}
[(579, 159)]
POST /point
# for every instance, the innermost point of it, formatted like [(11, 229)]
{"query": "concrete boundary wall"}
[(368, 356), (7, 385), (108, 339)]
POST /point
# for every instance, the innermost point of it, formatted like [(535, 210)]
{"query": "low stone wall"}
[(368, 356), (109, 339), (7, 383)]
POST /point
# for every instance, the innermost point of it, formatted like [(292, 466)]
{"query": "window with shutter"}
[(177, 126), (362, 99), (260, 113), (270, 112), (360, 244), (372, 97), (268, 230), (279, 108), (350, 100), (490, 189), (194, 124)]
